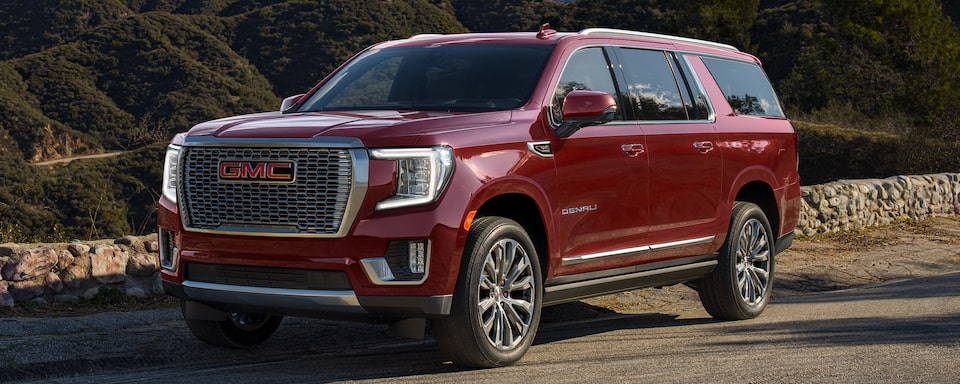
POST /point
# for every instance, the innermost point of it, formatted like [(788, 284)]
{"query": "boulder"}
[(22, 290), (66, 259), (78, 272), (6, 300), (108, 263), (142, 264), (78, 249), (25, 265), (53, 282)]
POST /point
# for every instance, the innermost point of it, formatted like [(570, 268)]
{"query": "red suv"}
[(473, 179)]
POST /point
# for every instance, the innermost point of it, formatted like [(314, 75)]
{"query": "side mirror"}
[(289, 102), (583, 108)]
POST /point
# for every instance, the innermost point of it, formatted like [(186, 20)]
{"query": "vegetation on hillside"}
[(85, 76)]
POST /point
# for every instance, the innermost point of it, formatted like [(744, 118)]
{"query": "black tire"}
[(498, 298), (240, 330), (740, 287)]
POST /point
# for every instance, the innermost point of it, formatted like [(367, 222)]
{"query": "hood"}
[(371, 127)]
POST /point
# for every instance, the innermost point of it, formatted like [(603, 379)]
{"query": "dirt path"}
[(829, 262), (69, 159)]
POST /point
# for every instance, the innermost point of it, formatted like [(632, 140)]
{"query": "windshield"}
[(451, 77)]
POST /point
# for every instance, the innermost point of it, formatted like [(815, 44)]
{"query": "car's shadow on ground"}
[(374, 355), (302, 350)]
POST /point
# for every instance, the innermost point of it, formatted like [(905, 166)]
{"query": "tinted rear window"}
[(745, 87)]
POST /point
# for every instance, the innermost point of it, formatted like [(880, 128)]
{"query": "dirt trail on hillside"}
[(69, 159)]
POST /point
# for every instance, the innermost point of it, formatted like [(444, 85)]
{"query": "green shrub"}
[(829, 153)]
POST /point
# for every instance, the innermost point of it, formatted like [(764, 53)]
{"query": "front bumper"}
[(309, 303), (354, 296)]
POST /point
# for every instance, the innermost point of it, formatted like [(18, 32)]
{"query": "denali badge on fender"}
[(253, 170)]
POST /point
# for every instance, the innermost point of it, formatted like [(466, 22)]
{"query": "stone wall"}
[(856, 204), (65, 273)]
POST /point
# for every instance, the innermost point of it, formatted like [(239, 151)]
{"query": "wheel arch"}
[(525, 211), (760, 193)]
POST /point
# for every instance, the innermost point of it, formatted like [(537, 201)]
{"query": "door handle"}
[(632, 150), (703, 146)]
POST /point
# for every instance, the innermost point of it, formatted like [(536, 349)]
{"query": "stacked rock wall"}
[(65, 273), (856, 204)]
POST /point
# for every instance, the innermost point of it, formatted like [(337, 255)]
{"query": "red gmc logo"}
[(252, 170)]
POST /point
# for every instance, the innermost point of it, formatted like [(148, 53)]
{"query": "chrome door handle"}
[(632, 150), (703, 146)]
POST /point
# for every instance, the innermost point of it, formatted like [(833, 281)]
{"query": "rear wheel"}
[(740, 286), (498, 298), (240, 330)]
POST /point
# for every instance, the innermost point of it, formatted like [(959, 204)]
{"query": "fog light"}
[(169, 253), (405, 263), (418, 257)]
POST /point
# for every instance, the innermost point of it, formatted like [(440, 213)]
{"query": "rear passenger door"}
[(685, 161)]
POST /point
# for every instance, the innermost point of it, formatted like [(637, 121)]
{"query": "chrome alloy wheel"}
[(506, 294), (753, 262)]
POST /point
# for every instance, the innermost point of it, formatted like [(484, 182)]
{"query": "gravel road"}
[(848, 334)]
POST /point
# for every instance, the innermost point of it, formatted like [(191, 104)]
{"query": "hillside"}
[(86, 76)]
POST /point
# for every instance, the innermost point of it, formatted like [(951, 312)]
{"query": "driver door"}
[(601, 208)]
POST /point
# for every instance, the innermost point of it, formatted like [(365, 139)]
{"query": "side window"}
[(745, 87), (587, 69), (693, 95), (651, 86)]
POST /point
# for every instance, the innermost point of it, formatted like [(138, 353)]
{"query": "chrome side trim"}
[(337, 301), (379, 273), (540, 148), (635, 251)]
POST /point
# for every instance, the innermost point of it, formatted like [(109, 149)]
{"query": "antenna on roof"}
[(545, 31)]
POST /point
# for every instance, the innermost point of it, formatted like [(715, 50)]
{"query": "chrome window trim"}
[(697, 84), (711, 113), (549, 107), (635, 251), (676, 78), (358, 189)]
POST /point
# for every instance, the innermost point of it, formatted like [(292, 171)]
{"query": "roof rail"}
[(610, 31), (422, 35)]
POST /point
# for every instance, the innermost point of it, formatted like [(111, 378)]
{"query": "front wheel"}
[(498, 297), (739, 288), (240, 330)]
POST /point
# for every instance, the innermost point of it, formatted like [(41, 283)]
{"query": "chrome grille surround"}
[(330, 182)]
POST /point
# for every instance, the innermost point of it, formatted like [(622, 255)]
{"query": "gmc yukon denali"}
[(466, 181)]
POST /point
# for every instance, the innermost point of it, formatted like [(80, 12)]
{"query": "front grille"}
[(267, 277), (313, 204)]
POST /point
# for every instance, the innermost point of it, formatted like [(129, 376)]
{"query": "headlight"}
[(422, 173), (170, 165)]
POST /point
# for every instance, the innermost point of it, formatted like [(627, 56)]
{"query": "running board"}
[(582, 289)]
